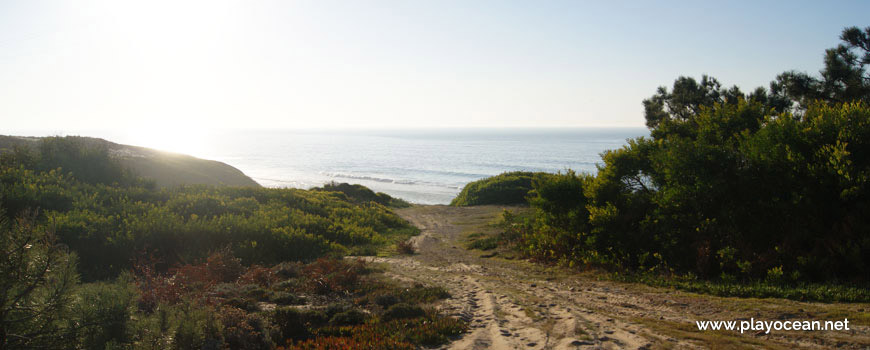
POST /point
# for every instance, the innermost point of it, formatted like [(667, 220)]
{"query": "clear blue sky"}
[(150, 65)]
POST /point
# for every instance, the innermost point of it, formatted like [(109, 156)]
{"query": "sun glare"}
[(177, 140)]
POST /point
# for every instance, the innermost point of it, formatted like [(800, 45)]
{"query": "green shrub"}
[(386, 300), (285, 298), (486, 243), (729, 185), (736, 194), (226, 290), (297, 324), (243, 303), (289, 285), (109, 225), (361, 194), (422, 294), (198, 328), (348, 318), (86, 161), (288, 269), (402, 310), (102, 312), (253, 291), (506, 188), (808, 292)]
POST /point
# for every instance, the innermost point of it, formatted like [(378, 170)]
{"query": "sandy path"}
[(518, 305)]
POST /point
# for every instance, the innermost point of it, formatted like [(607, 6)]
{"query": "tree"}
[(673, 112), (37, 277), (732, 184), (843, 79), (683, 102)]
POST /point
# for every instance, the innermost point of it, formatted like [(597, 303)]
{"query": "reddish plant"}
[(259, 275), (183, 281), (192, 279), (347, 343), (242, 330), (429, 330), (154, 287), (334, 275), (223, 266)]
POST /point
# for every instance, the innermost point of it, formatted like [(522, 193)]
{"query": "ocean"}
[(420, 166)]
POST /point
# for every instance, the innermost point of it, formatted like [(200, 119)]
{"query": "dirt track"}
[(519, 305)]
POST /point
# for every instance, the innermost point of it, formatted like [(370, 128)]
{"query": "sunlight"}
[(184, 140)]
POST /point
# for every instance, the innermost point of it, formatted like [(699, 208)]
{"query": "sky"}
[(151, 66)]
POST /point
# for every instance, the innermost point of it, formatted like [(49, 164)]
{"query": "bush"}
[(361, 194), (223, 266), (253, 291), (84, 160), (767, 186), (198, 328), (386, 300), (242, 330), (402, 310), (292, 284), (423, 294), (288, 269), (406, 248), (348, 318), (329, 276), (107, 224), (261, 276), (297, 324), (242, 303), (285, 298), (102, 312), (735, 194), (485, 243), (507, 188)]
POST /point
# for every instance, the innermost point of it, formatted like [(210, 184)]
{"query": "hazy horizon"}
[(199, 142)]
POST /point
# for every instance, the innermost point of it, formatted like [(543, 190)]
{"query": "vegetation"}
[(482, 242), (824, 292), (37, 277), (507, 188), (405, 247), (162, 168), (185, 267), (221, 304), (766, 189), (360, 194), (107, 224)]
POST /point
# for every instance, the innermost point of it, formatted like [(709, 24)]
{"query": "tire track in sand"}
[(518, 305)]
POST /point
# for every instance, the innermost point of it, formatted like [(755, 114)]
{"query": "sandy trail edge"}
[(518, 305)]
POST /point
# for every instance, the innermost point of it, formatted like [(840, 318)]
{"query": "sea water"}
[(421, 166)]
